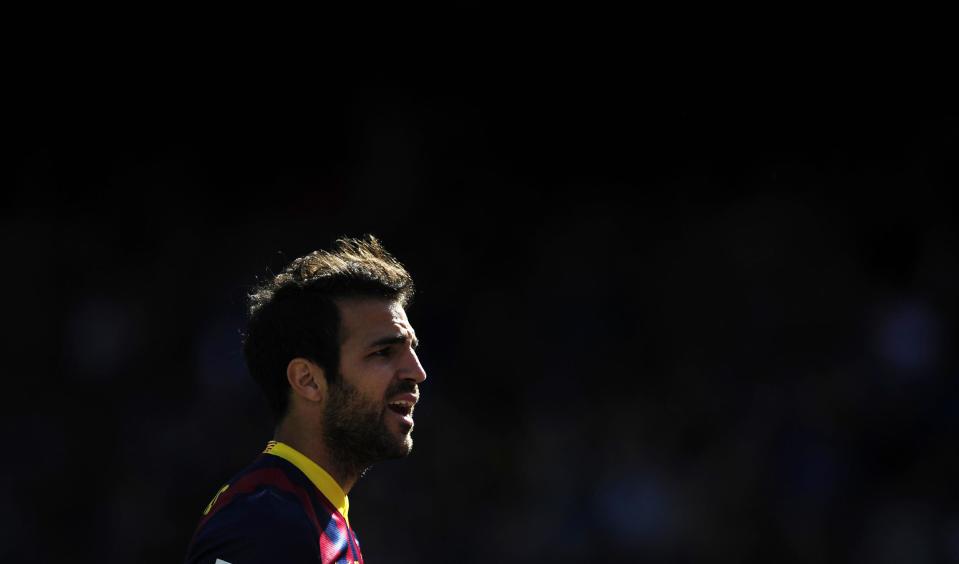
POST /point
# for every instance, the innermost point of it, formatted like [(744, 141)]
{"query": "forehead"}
[(370, 319)]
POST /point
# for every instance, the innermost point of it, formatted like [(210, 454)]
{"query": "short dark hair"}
[(294, 314)]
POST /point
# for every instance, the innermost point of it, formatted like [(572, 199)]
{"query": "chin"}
[(406, 445), (403, 446)]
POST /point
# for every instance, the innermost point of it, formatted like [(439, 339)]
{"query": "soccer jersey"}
[(282, 508)]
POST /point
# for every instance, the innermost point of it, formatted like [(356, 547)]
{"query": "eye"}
[(382, 352)]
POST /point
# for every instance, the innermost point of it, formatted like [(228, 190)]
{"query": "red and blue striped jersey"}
[(281, 508)]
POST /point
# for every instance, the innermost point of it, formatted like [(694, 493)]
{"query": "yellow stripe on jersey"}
[(320, 478), (216, 497)]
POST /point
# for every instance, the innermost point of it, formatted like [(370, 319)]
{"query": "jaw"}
[(403, 433), (400, 429)]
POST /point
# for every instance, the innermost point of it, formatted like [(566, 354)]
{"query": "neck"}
[(309, 440)]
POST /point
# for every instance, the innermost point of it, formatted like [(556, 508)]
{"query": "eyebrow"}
[(393, 340)]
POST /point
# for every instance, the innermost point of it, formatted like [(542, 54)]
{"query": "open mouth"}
[(402, 407)]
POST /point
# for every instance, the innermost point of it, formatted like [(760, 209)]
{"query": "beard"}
[(356, 431)]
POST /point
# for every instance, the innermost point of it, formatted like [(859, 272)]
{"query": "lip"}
[(413, 398), (406, 420)]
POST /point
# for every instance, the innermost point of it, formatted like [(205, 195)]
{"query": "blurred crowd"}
[(639, 349)]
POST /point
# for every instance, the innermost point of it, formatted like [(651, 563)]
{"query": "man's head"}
[(330, 335), (369, 414)]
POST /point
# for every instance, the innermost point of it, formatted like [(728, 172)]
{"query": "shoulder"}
[(265, 523), (264, 511)]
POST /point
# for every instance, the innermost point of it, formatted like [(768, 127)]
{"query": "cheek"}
[(372, 381)]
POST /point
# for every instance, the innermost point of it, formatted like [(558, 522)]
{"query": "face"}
[(369, 415)]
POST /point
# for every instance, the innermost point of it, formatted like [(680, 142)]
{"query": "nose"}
[(414, 370)]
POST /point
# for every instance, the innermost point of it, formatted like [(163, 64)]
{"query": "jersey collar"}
[(320, 478)]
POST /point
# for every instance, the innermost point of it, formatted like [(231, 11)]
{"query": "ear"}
[(306, 379)]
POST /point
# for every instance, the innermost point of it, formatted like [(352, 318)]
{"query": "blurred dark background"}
[(662, 323)]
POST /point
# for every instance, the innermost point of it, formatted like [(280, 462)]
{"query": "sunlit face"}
[(369, 414)]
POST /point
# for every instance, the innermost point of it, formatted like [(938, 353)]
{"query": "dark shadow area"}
[(659, 326)]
